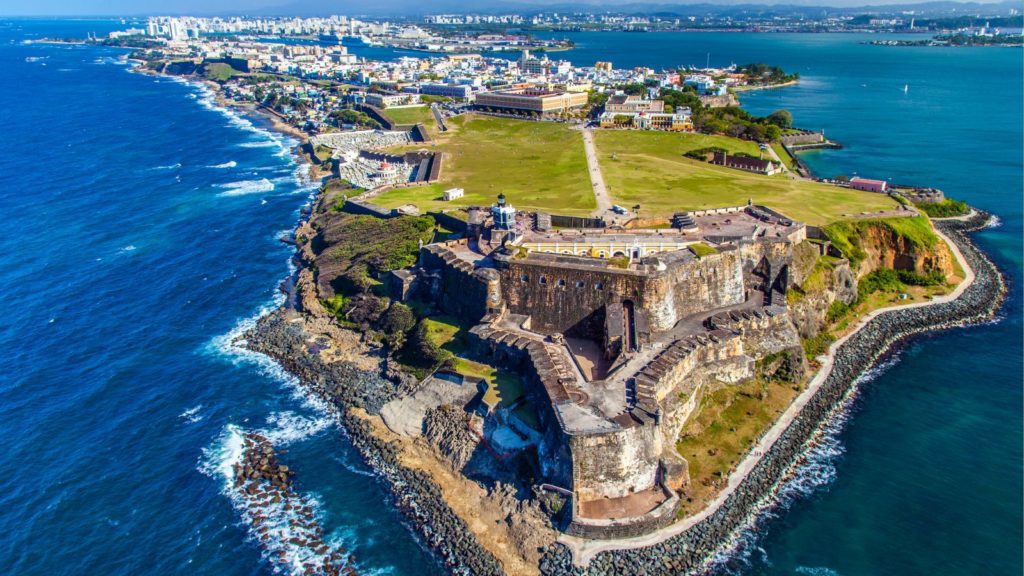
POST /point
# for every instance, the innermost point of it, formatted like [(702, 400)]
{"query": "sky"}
[(325, 7)]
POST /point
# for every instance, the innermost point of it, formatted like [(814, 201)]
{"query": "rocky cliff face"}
[(820, 281), (887, 249), (817, 285)]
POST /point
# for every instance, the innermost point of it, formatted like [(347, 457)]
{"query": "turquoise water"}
[(924, 474), (142, 230)]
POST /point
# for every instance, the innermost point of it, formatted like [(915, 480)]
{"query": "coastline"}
[(691, 544), (751, 88), (354, 387), (446, 534)]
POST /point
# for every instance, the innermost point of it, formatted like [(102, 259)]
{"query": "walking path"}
[(583, 550), (604, 201), (775, 155)]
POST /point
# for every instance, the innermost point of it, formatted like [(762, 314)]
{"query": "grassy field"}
[(538, 165), (220, 71), (724, 429), (411, 115), (648, 168)]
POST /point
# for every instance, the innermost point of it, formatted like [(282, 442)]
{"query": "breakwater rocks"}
[(281, 336), (690, 551), (283, 521)]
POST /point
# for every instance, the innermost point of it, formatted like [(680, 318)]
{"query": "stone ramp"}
[(405, 415)]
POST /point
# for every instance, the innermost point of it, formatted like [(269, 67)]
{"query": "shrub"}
[(944, 209), (818, 345), (398, 319), (421, 352), (883, 280), (619, 262)]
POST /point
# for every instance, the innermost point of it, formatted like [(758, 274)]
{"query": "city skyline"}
[(408, 7)]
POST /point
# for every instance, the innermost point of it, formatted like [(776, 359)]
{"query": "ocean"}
[(143, 227)]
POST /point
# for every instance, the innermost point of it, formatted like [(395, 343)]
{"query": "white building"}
[(453, 194)]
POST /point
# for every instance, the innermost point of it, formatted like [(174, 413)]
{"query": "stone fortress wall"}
[(679, 323)]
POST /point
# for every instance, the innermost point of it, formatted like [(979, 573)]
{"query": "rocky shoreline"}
[(690, 551), (279, 515), (281, 335)]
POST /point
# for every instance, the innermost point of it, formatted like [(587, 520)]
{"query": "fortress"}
[(619, 333)]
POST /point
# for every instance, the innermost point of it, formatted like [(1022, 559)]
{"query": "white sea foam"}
[(287, 427), (107, 60), (243, 187), (816, 571), (258, 144), (168, 167), (285, 533), (129, 248), (192, 415), (228, 164)]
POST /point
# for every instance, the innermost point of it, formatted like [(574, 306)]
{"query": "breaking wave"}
[(228, 164), (243, 187), (283, 522)]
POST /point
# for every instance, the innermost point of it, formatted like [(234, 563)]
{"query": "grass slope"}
[(538, 165), (411, 115), (648, 168)]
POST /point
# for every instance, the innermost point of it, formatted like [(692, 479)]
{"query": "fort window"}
[(561, 283), (543, 280), (525, 277), (599, 286), (579, 284)]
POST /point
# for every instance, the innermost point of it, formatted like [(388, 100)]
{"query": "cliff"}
[(858, 249)]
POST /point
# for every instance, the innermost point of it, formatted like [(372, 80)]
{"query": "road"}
[(604, 201)]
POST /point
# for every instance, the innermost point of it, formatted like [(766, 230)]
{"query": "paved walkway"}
[(775, 156), (604, 201), (584, 550)]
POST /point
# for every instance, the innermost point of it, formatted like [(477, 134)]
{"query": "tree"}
[(421, 351), (781, 118), (398, 319)]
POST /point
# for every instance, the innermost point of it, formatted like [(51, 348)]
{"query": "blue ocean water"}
[(142, 231)]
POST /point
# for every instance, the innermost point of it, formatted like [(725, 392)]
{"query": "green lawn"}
[(648, 168), (219, 71), (445, 332), (504, 387), (411, 115), (784, 156), (538, 165)]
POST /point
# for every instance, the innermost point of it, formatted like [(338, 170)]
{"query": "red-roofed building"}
[(868, 185)]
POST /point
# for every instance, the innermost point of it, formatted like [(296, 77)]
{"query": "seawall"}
[(689, 550)]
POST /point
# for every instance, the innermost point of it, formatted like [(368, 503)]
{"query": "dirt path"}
[(604, 201), (584, 550)]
